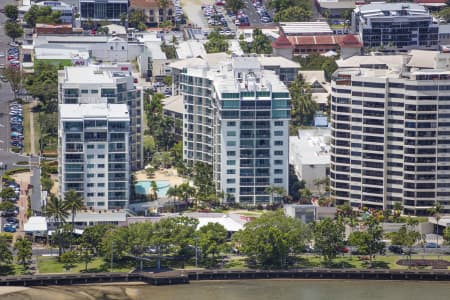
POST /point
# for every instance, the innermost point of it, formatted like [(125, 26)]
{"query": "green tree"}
[(11, 11), (445, 13), (167, 80), (318, 62), (136, 19), (6, 205), (56, 211), (154, 188), (270, 239), (293, 14), (235, 5), (69, 259), (43, 84), (93, 235), (15, 77), (329, 236), (41, 14), (446, 235), (46, 183), (407, 236), (369, 241), (212, 238), (202, 179), (7, 193), (303, 107), (73, 202), (261, 43), (216, 43), (285, 4), (436, 212), (274, 190), (23, 249), (186, 191), (6, 256), (13, 30)]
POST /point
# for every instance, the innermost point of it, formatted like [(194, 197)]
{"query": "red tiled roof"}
[(348, 41), (282, 42)]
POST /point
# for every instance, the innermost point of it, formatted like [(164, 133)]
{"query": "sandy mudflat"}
[(11, 289)]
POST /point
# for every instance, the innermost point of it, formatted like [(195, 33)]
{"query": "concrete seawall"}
[(183, 277)]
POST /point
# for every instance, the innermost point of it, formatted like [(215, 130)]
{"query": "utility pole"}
[(196, 252)]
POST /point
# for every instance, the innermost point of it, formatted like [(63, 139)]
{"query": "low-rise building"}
[(152, 62), (305, 28), (336, 8), (320, 87), (102, 10), (347, 45), (153, 11), (53, 28), (309, 154)]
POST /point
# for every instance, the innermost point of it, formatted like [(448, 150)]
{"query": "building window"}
[(278, 143), (231, 180), (278, 162), (84, 91), (95, 91), (278, 123), (279, 152), (231, 123), (100, 146), (278, 133), (100, 175), (152, 12), (101, 156), (90, 175), (231, 133), (90, 156), (278, 171), (90, 185), (231, 153), (90, 146), (231, 143), (101, 184), (90, 166), (278, 180), (90, 194), (101, 194), (231, 162), (100, 166), (231, 171)]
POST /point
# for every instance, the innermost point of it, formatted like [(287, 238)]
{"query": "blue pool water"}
[(143, 187)]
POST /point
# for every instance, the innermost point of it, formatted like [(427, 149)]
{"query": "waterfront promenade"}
[(185, 276)]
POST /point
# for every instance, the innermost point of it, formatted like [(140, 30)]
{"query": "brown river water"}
[(244, 290)]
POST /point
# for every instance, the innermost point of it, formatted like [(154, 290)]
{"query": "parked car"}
[(432, 245), (396, 249)]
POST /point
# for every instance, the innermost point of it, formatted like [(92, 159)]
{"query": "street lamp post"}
[(112, 254), (196, 252)]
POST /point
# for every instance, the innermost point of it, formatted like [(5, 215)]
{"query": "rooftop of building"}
[(60, 52), (155, 50), (174, 103), (305, 28), (282, 42), (189, 49), (311, 146), (344, 41), (93, 74), (282, 62), (382, 60), (116, 29), (337, 4), (422, 59), (97, 110), (377, 9), (53, 26)]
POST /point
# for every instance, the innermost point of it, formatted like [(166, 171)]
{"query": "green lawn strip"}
[(26, 129), (51, 265), (37, 131)]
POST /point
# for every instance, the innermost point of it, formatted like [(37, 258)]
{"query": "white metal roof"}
[(35, 224), (227, 222), (293, 28), (97, 110)]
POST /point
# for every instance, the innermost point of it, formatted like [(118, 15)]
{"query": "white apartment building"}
[(93, 153), (309, 154), (112, 84), (237, 119), (391, 131)]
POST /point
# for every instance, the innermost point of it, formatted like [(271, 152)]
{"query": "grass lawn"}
[(26, 128), (51, 265)]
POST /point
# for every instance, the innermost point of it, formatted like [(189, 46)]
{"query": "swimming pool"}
[(143, 187)]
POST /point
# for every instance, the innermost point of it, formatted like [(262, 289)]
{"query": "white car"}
[(237, 22)]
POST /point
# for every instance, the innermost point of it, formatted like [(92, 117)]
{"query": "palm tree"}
[(173, 192), (56, 211), (74, 202), (436, 211), (154, 188), (272, 190), (186, 191)]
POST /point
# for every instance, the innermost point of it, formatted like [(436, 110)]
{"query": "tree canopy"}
[(41, 14), (303, 106), (11, 11), (270, 239), (234, 5), (43, 84), (260, 44), (13, 29), (318, 62), (216, 43), (293, 14), (329, 237)]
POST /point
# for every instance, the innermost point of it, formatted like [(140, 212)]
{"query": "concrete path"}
[(32, 142)]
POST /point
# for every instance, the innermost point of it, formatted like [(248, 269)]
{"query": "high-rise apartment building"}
[(94, 160), (391, 132), (237, 120), (106, 84), (395, 26)]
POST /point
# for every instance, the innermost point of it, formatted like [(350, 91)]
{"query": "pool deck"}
[(169, 175)]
